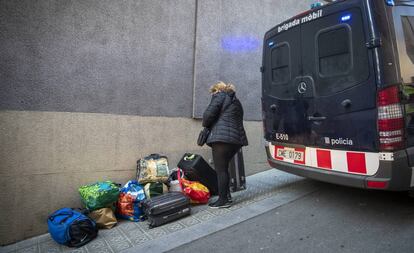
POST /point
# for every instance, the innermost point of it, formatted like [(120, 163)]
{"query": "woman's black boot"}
[(220, 204)]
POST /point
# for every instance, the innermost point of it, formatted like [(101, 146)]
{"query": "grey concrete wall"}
[(88, 87), (122, 57)]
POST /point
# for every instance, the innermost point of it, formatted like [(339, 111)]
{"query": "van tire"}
[(410, 193)]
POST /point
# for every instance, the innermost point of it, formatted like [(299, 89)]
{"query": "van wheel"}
[(410, 193)]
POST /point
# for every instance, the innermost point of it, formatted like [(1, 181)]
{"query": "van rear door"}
[(402, 18), (404, 32), (285, 110), (338, 63)]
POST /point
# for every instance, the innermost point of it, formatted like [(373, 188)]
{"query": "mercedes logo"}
[(302, 87)]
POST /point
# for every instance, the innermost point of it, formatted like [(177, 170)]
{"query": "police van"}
[(338, 94)]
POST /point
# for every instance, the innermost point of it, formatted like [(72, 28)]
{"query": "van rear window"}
[(280, 64), (408, 27), (334, 52)]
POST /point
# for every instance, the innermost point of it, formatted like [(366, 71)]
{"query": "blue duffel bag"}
[(71, 228)]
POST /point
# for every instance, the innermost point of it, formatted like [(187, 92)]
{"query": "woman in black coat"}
[(224, 118)]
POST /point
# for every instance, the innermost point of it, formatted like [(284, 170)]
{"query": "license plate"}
[(290, 154)]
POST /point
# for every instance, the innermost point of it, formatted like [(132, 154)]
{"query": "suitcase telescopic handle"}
[(179, 179)]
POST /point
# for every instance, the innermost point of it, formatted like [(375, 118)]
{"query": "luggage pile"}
[(157, 195)]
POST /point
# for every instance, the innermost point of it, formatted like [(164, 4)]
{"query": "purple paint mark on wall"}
[(237, 44)]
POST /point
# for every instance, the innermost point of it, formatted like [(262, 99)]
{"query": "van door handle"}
[(346, 103), (273, 107), (312, 118)]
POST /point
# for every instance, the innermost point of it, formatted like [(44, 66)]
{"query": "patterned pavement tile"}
[(253, 193), (268, 194), (204, 215), (49, 247), (189, 221), (197, 208), (109, 232), (236, 205), (248, 202), (219, 211), (117, 240), (72, 250), (144, 226), (137, 236), (127, 232), (128, 225), (258, 198), (105, 232), (156, 232), (31, 249), (173, 227), (99, 246)]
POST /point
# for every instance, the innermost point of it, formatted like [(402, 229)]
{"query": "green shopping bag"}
[(99, 194)]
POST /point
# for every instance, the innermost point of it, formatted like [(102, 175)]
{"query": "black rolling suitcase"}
[(197, 169), (237, 175), (166, 208)]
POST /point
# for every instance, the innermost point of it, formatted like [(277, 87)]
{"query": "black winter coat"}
[(225, 126)]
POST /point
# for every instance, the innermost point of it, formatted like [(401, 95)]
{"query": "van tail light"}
[(390, 119)]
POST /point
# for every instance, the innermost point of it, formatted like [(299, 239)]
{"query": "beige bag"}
[(104, 217), (153, 168)]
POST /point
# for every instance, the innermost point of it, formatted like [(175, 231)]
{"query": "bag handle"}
[(67, 213), (155, 156), (189, 157), (179, 179)]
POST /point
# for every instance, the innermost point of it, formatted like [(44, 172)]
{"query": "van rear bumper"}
[(396, 175)]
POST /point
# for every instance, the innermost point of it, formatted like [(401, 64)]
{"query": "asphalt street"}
[(331, 219)]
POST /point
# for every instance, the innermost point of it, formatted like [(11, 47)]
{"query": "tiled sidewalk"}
[(127, 235)]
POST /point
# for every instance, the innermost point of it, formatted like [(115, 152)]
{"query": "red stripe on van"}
[(356, 162), (324, 159)]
